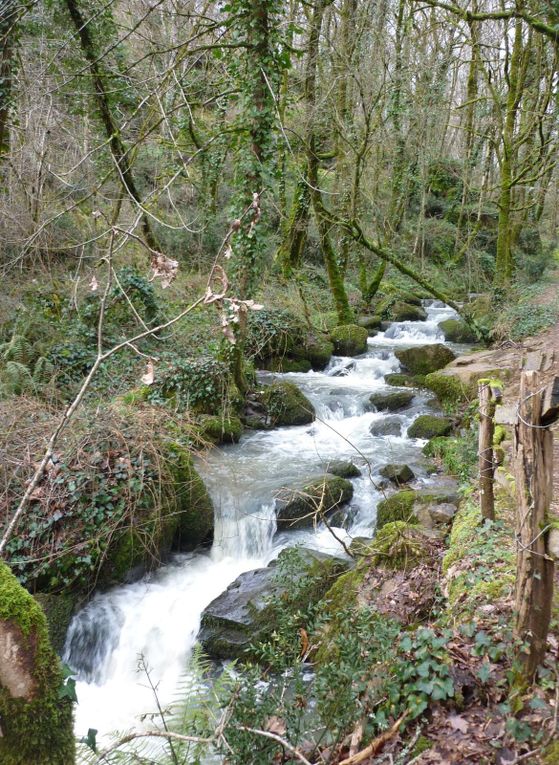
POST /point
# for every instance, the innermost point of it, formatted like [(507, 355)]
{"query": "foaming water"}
[(156, 620)]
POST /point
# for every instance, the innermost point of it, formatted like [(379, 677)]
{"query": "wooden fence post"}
[(489, 394), (533, 462)]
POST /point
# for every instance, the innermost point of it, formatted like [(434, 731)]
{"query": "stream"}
[(158, 617)]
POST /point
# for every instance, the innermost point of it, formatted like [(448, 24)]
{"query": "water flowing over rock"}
[(244, 612), (391, 401), (306, 505), (159, 616)]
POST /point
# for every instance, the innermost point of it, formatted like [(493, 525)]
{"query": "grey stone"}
[(388, 426)]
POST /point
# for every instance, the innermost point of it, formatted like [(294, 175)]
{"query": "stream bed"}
[(155, 621)]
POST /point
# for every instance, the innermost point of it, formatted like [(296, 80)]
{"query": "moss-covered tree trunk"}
[(102, 87), (290, 253), (36, 719), (334, 271), (8, 19), (504, 262), (255, 24)]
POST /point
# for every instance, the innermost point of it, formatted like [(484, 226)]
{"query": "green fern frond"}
[(43, 371), (18, 349), (16, 378)]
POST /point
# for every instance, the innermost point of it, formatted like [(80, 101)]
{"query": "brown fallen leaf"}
[(276, 725), (458, 723)]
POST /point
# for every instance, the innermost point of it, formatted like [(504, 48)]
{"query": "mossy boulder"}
[(398, 507), (298, 507), (220, 429), (37, 725), (398, 474), (315, 349), (371, 324), (245, 613), (391, 401), (450, 390), (193, 506), (182, 520), (400, 380), (424, 359), (430, 426), (414, 506), (457, 331), (285, 364), (349, 340), (287, 405), (342, 468), (402, 311)]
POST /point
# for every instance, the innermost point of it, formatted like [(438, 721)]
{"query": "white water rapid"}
[(158, 617)]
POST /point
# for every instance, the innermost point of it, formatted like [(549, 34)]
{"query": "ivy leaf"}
[(484, 672)]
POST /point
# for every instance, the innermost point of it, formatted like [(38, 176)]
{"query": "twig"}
[(376, 745), (279, 739), (153, 734)]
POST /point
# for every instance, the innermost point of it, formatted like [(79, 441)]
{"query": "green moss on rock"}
[(342, 468), (391, 401), (37, 726), (221, 429), (457, 331), (371, 323), (398, 507), (315, 349), (58, 609), (430, 426), (349, 339), (285, 364), (450, 390), (400, 380), (402, 311), (193, 506), (424, 359), (298, 507), (414, 506), (287, 405), (397, 473)]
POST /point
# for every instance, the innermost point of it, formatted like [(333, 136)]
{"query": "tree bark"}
[(120, 153), (8, 16), (485, 450), (533, 457)]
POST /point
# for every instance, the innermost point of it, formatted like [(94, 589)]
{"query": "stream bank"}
[(158, 618)]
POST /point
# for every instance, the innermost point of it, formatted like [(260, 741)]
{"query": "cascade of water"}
[(158, 617)]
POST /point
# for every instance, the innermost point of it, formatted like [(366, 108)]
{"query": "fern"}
[(43, 371), (16, 378), (17, 349), (195, 711)]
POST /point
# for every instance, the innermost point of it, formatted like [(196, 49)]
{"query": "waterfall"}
[(156, 620)]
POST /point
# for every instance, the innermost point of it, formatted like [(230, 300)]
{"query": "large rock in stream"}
[(424, 359), (244, 613), (298, 507), (391, 401), (349, 339), (286, 405)]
